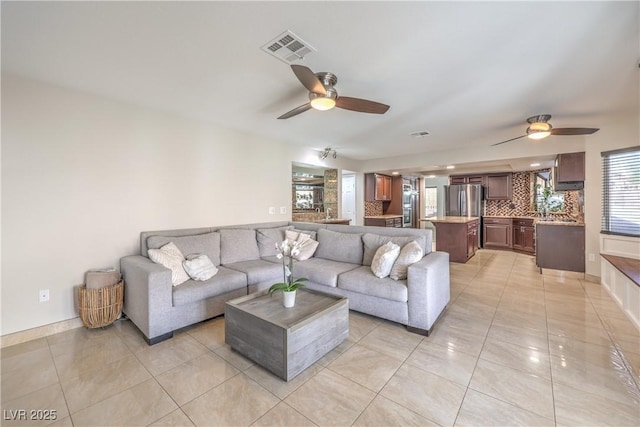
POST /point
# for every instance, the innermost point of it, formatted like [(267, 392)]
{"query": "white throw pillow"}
[(307, 246), (199, 267), (384, 258), (410, 253), (170, 256)]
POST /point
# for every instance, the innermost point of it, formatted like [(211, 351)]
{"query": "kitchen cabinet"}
[(466, 179), (498, 187), (560, 247), (458, 236), (472, 238), (497, 233), (569, 167), (524, 235), (384, 221), (377, 187)]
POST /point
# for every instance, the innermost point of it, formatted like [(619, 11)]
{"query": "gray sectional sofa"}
[(246, 260)]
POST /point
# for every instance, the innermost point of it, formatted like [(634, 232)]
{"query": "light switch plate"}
[(272, 210), (283, 210)]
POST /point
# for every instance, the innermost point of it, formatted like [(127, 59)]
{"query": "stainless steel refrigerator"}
[(463, 200)]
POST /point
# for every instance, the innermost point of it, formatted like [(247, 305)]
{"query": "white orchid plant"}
[(287, 249)]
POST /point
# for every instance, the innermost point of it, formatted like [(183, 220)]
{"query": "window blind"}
[(621, 192)]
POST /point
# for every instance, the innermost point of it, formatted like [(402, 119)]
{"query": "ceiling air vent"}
[(419, 134), (288, 47)]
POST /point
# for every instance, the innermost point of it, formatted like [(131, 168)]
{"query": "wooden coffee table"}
[(286, 341)]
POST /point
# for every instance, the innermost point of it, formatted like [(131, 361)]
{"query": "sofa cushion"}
[(321, 271), (170, 257), (384, 259), (306, 245), (372, 242), (208, 244), (410, 253), (362, 281), (344, 247), (237, 245), (199, 267), (268, 237), (258, 270), (226, 280)]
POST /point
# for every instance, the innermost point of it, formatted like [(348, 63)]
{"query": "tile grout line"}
[(616, 345)]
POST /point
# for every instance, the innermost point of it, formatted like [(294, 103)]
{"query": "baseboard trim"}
[(39, 332), (591, 278), (564, 274)]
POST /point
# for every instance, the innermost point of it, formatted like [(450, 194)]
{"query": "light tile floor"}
[(513, 348)]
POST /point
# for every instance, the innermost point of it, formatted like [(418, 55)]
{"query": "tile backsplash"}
[(520, 203)]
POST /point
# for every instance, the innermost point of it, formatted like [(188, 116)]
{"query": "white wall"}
[(83, 175)]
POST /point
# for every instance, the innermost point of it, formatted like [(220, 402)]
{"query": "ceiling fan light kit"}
[(323, 96), (539, 129), (323, 102)]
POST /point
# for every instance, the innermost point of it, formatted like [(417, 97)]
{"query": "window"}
[(621, 192)]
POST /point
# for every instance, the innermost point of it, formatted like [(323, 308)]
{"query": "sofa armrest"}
[(147, 293), (428, 290)]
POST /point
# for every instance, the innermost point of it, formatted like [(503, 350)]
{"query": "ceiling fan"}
[(323, 96), (540, 128)]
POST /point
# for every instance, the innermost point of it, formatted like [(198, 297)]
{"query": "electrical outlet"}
[(272, 210), (592, 257), (283, 210), (44, 295)]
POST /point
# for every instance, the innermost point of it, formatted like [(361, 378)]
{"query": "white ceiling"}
[(469, 73)]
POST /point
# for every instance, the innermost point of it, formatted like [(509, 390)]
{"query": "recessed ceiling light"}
[(395, 173), (534, 165), (451, 167)]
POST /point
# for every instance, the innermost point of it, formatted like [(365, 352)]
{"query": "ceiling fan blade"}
[(308, 79), (296, 111), (508, 140), (573, 131), (361, 105)]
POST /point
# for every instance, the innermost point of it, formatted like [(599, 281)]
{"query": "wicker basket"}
[(100, 307)]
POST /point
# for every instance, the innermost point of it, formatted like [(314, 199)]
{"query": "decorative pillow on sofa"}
[(208, 244), (410, 253), (267, 239), (313, 234), (199, 267), (237, 245), (373, 241), (384, 258), (307, 246), (345, 247), (170, 256)]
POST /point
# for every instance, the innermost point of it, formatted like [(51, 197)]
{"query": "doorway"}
[(430, 202), (349, 196)]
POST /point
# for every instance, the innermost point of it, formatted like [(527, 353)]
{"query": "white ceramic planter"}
[(289, 299)]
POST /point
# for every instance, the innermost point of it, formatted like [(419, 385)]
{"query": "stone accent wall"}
[(331, 192), (520, 203)]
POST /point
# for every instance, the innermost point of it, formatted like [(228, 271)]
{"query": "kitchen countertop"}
[(452, 219), (571, 224), (537, 220), (331, 221), (388, 216)]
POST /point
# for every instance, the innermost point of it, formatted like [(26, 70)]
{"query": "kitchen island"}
[(457, 235)]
